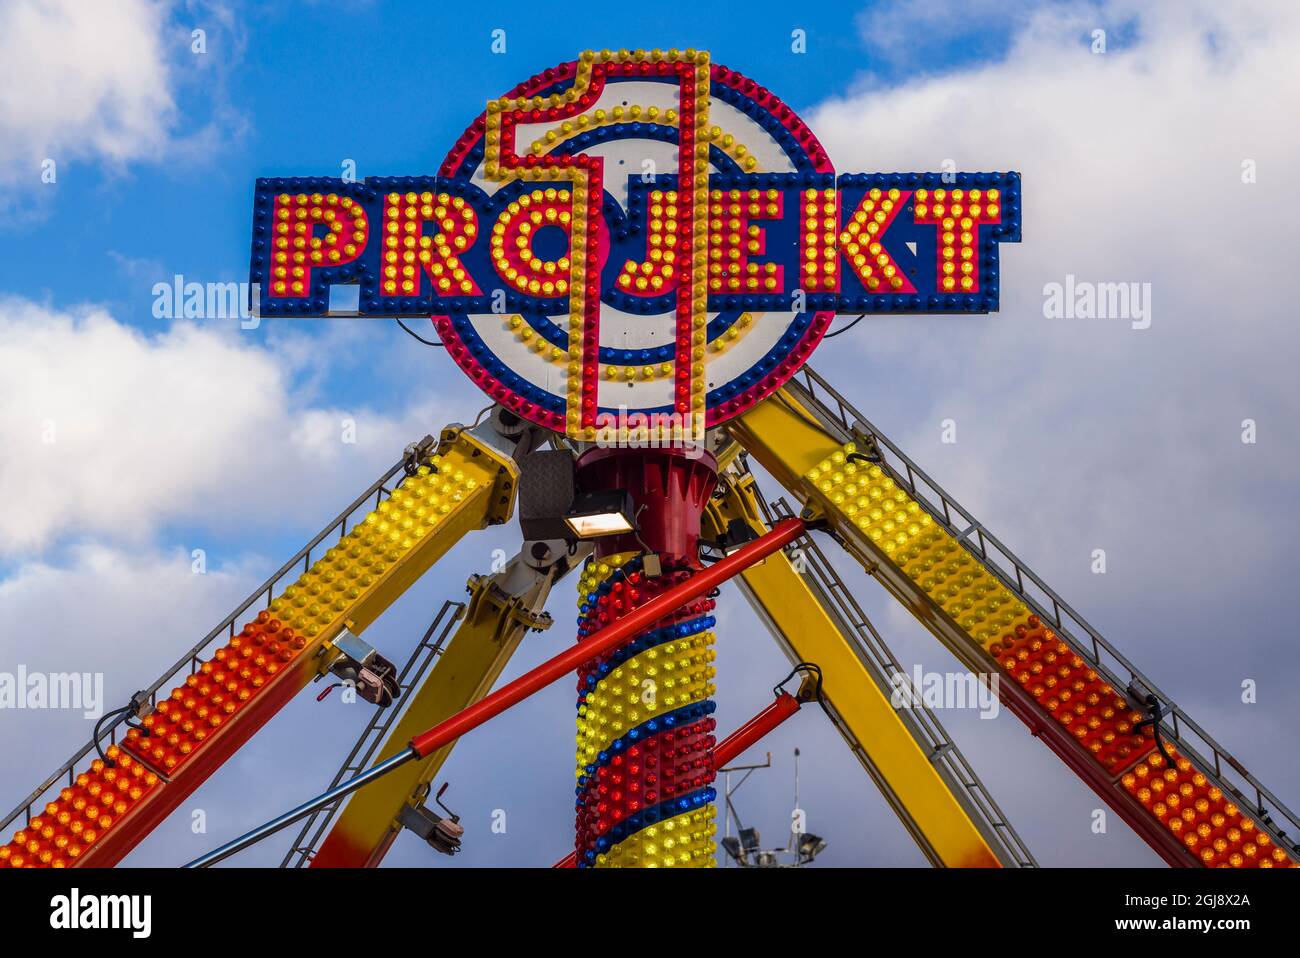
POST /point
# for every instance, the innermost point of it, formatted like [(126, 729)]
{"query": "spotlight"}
[(739, 532), (731, 845), (810, 846), (597, 514)]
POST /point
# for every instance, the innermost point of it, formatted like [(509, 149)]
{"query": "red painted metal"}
[(162, 800), (742, 738), (636, 621), (1149, 828), (734, 744), (669, 490)]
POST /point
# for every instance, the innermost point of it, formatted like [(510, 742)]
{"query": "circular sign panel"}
[(632, 240)]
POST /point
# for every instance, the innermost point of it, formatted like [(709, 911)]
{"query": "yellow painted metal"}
[(788, 442), (490, 501), (784, 437), (494, 623), (1091, 725), (899, 766), (467, 486)]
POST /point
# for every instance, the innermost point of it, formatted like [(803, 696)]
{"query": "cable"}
[(845, 329), (810, 668), (133, 707), (99, 733), (1157, 713), (413, 333), (451, 435), (636, 527)]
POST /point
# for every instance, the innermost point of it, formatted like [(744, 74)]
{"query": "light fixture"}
[(810, 846), (597, 514), (739, 532), (731, 845)]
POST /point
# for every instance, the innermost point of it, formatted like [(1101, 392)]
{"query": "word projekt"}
[(640, 230), (866, 243)]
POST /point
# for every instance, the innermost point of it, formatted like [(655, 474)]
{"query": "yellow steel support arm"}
[(1184, 812), (872, 727), (468, 484), (502, 608)]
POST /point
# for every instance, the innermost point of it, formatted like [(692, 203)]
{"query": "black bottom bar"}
[(929, 907)]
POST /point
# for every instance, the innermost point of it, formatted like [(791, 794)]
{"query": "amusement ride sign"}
[(645, 239)]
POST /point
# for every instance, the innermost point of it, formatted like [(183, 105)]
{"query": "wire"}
[(413, 333), (132, 708), (636, 527), (845, 329), (454, 434), (810, 668), (99, 734), (1157, 713)]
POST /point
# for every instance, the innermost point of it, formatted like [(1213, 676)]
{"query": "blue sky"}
[(1073, 434)]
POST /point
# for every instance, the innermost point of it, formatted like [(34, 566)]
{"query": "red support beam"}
[(734, 745), (610, 637)]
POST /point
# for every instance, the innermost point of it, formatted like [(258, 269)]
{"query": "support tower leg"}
[(645, 763)]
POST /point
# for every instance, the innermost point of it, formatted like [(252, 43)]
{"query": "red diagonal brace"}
[(610, 637), (735, 744), (638, 620)]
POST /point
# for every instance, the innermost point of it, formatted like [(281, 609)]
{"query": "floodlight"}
[(731, 845), (739, 532), (597, 514), (810, 846)]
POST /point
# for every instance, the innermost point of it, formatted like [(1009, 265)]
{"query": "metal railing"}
[(190, 662), (840, 603), (837, 415), (375, 733)]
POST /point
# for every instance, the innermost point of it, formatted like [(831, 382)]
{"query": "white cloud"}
[(81, 79), (1132, 162), (111, 433), (135, 612), (111, 83)]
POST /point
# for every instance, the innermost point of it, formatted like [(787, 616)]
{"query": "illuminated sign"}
[(638, 234)]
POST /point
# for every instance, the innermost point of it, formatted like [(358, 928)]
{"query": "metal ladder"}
[(838, 601), (845, 423), (65, 775), (375, 733)]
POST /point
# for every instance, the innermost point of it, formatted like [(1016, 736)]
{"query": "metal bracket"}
[(511, 608), (373, 676), (442, 834), (418, 454)]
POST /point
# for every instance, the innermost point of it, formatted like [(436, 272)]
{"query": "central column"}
[(645, 713)]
